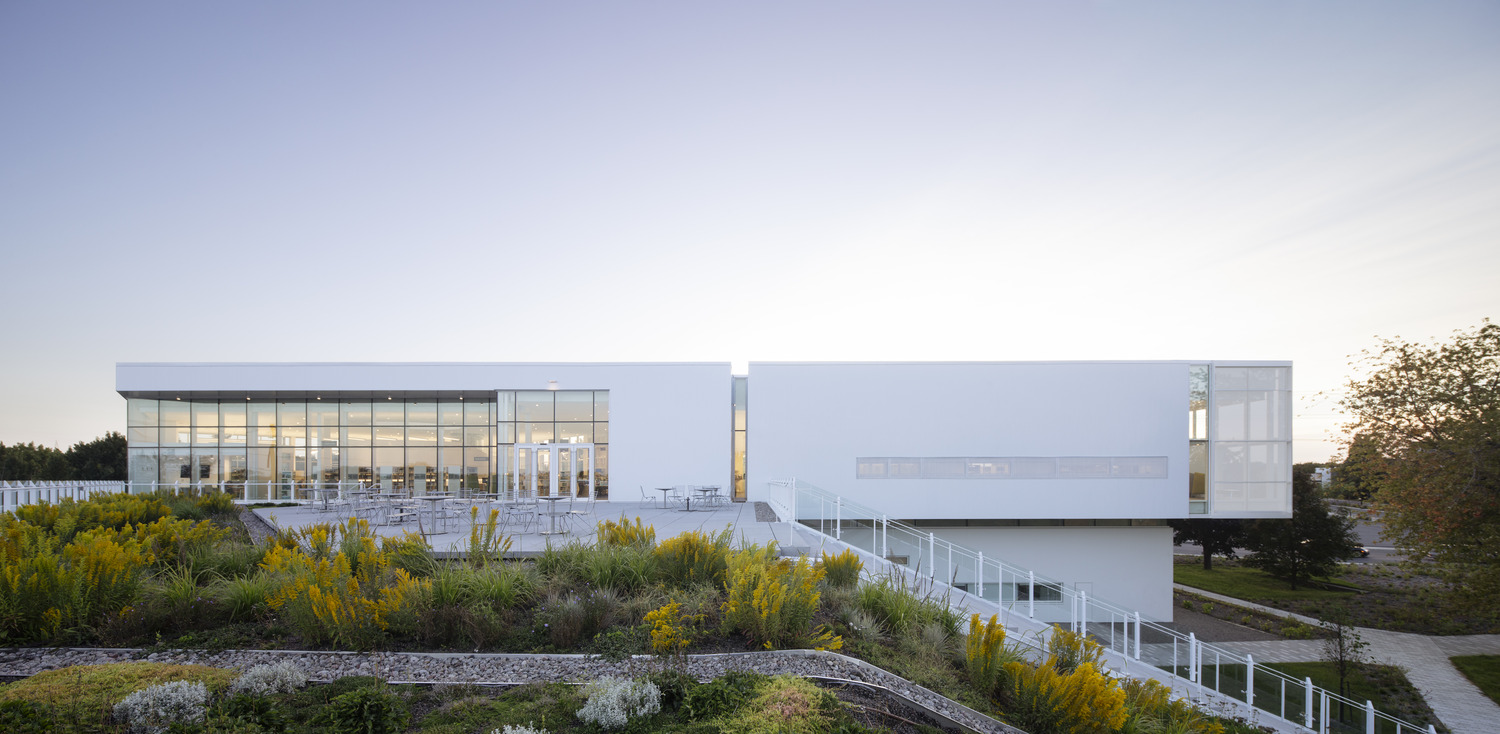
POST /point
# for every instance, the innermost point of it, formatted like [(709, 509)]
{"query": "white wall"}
[(812, 420), (668, 423), (1129, 567)]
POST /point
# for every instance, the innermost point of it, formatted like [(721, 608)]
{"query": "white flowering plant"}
[(518, 729), (269, 678), (613, 702), (155, 709)]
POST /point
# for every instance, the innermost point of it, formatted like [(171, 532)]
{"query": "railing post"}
[(1031, 595), (1083, 614), (931, 555), (1137, 635), (1249, 679), (979, 573), (885, 537), (1307, 709), (1369, 717), (838, 518), (1192, 675), (1323, 714)]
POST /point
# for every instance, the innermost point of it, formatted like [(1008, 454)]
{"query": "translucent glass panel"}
[(1029, 467), (1198, 402), (175, 413), (1250, 459)]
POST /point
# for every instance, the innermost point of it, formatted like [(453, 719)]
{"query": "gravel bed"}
[(407, 667), (257, 528)]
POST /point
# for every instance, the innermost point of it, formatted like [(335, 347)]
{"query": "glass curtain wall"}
[(551, 416), (260, 449), (1252, 441)]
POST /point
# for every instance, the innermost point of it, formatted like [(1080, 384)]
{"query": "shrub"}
[(613, 702), (772, 600), (722, 696), (348, 597), (503, 586), (1150, 708), (25, 717), (84, 693), (410, 553), (625, 534), (153, 709), (902, 608), (674, 686), (624, 569), (244, 597), (785, 705), (269, 678), (671, 630), (842, 571), (1046, 699), (575, 616), (1069, 650), (695, 557), (986, 654), (48, 588), (487, 544), (364, 711)]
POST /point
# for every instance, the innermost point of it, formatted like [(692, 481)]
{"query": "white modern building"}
[(1069, 468)]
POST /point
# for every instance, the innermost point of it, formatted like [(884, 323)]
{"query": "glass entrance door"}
[(555, 470)]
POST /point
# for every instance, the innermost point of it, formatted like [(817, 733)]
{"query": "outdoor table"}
[(664, 491), (432, 501), (322, 493), (552, 514)]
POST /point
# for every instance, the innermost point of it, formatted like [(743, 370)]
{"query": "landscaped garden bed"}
[(1378, 596), (170, 572)]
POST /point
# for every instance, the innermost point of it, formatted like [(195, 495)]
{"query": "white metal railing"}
[(1197, 665), (18, 494)]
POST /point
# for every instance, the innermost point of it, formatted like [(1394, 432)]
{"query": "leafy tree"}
[(100, 459), (1310, 544), (29, 462), (1363, 469), (1215, 536), (1433, 413)]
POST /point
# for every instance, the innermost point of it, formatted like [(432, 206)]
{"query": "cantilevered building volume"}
[(1070, 468)]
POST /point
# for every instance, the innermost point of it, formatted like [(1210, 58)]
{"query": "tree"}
[(1344, 649), (1362, 470), (1310, 544), (1433, 413), (1214, 536), (100, 459)]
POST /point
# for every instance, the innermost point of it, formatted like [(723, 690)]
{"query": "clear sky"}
[(529, 181)]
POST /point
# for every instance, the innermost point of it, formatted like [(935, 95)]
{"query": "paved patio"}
[(453, 536)]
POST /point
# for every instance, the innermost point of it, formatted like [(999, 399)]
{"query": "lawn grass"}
[(1483, 671), (1384, 684), (1248, 583)]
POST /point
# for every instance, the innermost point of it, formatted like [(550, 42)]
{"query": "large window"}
[(263, 449)]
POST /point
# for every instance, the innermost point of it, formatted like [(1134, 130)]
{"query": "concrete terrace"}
[(453, 535)]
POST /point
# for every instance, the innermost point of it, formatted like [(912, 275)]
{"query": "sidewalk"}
[(1456, 701)]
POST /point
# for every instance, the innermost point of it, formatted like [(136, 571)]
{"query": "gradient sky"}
[(529, 181)]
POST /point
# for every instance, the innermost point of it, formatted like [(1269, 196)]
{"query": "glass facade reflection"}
[(265, 449), (261, 449)]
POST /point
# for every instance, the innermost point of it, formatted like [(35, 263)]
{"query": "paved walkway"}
[(1456, 701)]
